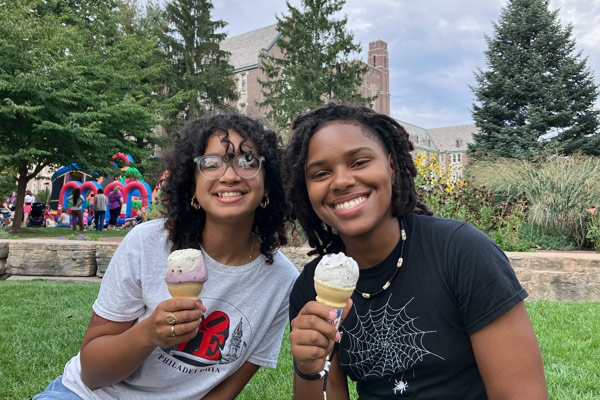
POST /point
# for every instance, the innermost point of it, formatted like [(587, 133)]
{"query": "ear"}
[(392, 166)]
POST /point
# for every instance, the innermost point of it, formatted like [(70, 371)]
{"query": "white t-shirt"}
[(246, 313)]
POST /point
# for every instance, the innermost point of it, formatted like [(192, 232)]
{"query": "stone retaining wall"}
[(560, 276)]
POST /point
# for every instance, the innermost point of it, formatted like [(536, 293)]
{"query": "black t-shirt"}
[(412, 340)]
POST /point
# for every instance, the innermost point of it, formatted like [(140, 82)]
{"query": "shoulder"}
[(153, 227), (444, 231), (284, 266)]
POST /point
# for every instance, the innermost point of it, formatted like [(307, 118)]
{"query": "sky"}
[(434, 46)]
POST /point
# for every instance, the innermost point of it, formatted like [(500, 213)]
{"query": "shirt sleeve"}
[(267, 352), (303, 290), (120, 298), (483, 280)]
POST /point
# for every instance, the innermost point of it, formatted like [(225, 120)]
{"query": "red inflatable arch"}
[(72, 185), (139, 186)]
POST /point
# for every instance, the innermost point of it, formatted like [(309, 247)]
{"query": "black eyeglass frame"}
[(230, 163)]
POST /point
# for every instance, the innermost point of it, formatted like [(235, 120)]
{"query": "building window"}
[(374, 60), (456, 157), (243, 109), (243, 83), (458, 142)]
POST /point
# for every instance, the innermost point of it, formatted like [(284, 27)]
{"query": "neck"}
[(372, 248), (230, 244)]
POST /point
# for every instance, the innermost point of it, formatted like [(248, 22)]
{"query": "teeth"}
[(350, 204), (229, 194)]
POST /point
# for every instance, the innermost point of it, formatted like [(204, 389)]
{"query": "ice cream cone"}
[(334, 297), (185, 289), (335, 279), (186, 273)]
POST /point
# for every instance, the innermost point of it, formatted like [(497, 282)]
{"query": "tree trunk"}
[(21, 187)]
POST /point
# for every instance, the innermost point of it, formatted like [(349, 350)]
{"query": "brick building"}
[(449, 143), (246, 48)]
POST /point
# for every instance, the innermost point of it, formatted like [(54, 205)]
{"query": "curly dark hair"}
[(179, 185), (381, 128)]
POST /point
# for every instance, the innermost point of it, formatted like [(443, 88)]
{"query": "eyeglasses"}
[(212, 166)]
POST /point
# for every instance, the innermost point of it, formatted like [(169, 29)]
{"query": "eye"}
[(247, 162), (210, 163), (361, 162), (319, 175)]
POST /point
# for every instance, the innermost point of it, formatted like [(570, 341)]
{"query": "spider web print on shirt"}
[(384, 342)]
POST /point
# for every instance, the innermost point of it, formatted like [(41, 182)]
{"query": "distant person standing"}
[(100, 203), (29, 199), (115, 202), (76, 200)]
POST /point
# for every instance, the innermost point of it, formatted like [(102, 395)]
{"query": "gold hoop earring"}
[(194, 203), (265, 202)]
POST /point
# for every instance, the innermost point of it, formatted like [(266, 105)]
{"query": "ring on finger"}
[(171, 319), (173, 330)]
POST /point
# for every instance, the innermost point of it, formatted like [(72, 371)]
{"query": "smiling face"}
[(349, 179), (229, 198)]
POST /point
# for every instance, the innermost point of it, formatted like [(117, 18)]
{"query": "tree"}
[(201, 77), (73, 88), (537, 93), (314, 66)]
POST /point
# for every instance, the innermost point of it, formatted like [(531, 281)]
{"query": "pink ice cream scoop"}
[(186, 273)]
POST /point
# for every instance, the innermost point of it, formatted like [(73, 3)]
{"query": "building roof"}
[(453, 138), (246, 48), (419, 136)]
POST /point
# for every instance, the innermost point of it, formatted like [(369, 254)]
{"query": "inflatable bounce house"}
[(136, 193)]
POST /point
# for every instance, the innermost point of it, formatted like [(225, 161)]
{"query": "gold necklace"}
[(398, 265), (251, 250)]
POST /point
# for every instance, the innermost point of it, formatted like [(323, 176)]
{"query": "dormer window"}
[(458, 142)]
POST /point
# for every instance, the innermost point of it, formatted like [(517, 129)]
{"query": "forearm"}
[(313, 390), (110, 359), (307, 390)]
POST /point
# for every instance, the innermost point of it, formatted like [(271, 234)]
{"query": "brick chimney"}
[(378, 59)]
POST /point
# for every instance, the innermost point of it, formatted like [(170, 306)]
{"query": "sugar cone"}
[(185, 289), (331, 296)]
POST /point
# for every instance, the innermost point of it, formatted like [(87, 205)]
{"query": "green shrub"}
[(450, 197), (548, 238), (558, 189)]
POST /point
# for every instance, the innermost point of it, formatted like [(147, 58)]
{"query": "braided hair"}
[(179, 185), (381, 128)]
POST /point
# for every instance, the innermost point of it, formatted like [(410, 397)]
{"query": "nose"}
[(343, 178), (229, 176)]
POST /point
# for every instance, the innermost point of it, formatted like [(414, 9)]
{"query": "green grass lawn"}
[(42, 324), (66, 233)]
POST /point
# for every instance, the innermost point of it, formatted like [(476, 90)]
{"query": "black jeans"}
[(114, 214)]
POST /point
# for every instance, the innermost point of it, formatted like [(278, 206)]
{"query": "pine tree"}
[(201, 76), (537, 92), (315, 65), (73, 88)]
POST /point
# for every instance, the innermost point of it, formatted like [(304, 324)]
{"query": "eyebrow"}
[(350, 153)]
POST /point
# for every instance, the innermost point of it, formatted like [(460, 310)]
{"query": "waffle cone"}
[(334, 297), (185, 289)]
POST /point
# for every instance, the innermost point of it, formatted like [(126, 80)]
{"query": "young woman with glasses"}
[(223, 195)]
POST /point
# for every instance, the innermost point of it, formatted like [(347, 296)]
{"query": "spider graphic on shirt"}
[(400, 386)]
